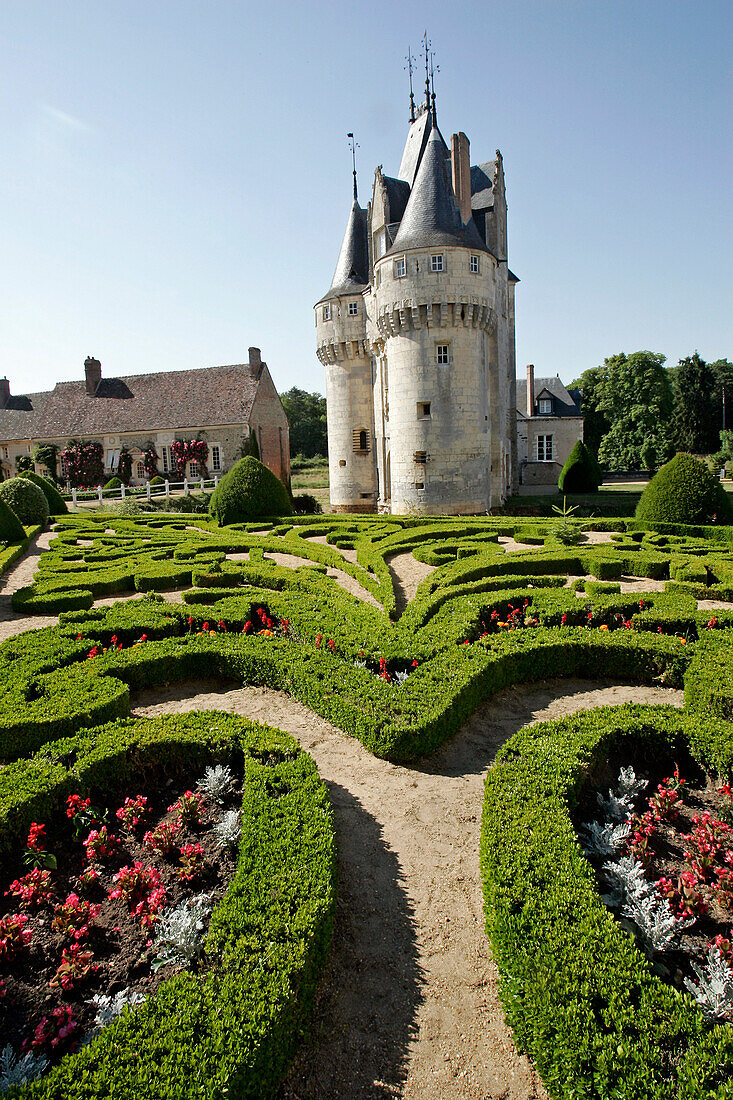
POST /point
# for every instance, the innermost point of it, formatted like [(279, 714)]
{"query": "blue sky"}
[(176, 173)]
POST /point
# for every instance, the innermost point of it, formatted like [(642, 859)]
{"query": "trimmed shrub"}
[(305, 504), (56, 503), (247, 491), (580, 474), (11, 529), (684, 491), (113, 483), (157, 480), (26, 500)]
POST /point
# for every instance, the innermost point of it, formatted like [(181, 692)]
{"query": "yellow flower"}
[(603, 626)]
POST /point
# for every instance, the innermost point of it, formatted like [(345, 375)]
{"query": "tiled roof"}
[(564, 403), (137, 403)]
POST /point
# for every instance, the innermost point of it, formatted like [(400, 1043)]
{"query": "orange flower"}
[(603, 626)]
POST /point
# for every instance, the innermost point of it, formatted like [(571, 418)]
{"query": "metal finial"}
[(426, 51), (410, 59), (433, 70), (353, 145)]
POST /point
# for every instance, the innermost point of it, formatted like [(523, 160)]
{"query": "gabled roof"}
[(352, 268), (136, 403), (552, 387), (432, 217), (482, 185)]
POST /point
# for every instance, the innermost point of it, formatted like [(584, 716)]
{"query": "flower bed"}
[(225, 1018)]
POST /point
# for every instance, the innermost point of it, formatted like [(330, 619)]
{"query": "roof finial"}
[(353, 145), (409, 59), (426, 51), (433, 70)]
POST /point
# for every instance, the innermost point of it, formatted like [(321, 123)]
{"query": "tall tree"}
[(636, 399), (306, 413), (695, 421), (595, 424), (723, 371)]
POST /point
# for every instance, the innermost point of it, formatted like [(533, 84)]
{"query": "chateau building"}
[(223, 405), (549, 424), (417, 336)]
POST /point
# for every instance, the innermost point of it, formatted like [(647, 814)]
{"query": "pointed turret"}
[(432, 216), (352, 269)]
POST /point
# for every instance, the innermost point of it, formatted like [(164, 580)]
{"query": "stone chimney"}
[(4, 393), (93, 373), (461, 165), (255, 357), (530, 389)]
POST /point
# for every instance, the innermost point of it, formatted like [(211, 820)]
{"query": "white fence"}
[(145, 492)]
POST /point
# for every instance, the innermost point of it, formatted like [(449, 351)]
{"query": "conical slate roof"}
[(432, 216), (352, 270)]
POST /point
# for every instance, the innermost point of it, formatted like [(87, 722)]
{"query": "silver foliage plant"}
[(714, 994), (16, 1069), (180, 932), (110, 1007), (604, 839), (620, 803), (217, 782), (228, 830)]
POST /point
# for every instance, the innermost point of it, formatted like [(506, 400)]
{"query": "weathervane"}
[(409, 66), (353, 145)]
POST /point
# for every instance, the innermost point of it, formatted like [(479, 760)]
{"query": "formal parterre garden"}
[(169, 883)]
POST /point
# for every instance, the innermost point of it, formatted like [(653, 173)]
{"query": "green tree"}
[(695, 424), (723, 398), (595, 424), (306, 413), (636, 399)]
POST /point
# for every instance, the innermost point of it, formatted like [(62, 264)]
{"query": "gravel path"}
[(19, 576), (408, 1006)]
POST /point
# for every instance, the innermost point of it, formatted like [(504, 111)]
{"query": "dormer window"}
[(400, 268), (326, 313), (475, 267), (545, 406), (353, 309), (436, 263)]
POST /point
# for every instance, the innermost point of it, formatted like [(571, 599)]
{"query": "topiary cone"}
[(249, 490)]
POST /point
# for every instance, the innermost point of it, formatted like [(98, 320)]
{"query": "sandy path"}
[(11, 622), (407, 573), (408, 1006)]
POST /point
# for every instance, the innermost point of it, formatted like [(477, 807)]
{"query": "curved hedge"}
[(684, 490), (56, 503), (582, 1000), (231, 1030), (26, 500), (249, 490)]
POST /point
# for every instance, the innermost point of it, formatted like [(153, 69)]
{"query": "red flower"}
[(36, 837)]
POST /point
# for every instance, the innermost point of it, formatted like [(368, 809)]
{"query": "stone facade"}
[(222, 405), (549, 424), (417, 338)]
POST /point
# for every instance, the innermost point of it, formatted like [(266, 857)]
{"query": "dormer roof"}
[(432, 217)]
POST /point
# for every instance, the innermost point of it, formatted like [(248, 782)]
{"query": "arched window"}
[(361, 441)]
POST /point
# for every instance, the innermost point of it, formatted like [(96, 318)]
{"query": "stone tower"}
[(417, 337)]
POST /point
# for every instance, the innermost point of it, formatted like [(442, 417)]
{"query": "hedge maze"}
[(552, 601)]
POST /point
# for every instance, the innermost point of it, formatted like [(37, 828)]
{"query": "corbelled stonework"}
[(417, 337)]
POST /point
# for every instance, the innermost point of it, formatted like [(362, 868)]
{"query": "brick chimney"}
[(4, 393), (530, 389), (93, 374), (461, 164)]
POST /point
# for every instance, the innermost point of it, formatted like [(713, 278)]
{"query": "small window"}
[(193, 469), (420, 457), (353, 309), (361, 441), (140, 471), (216, 458), (381, 243), (342, 462), (442, 353), (400, 268), (5, 452), (544, 448), (419, 484), (423, 410), (475, 266), (436, 263), (365, 496), (326, 313), (545, 406), (164, 452)]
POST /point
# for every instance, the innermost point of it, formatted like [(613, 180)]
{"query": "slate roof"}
[(136, 403), (417, 137), (482, 185), (352, 268), (432, 217), (564, 404)]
